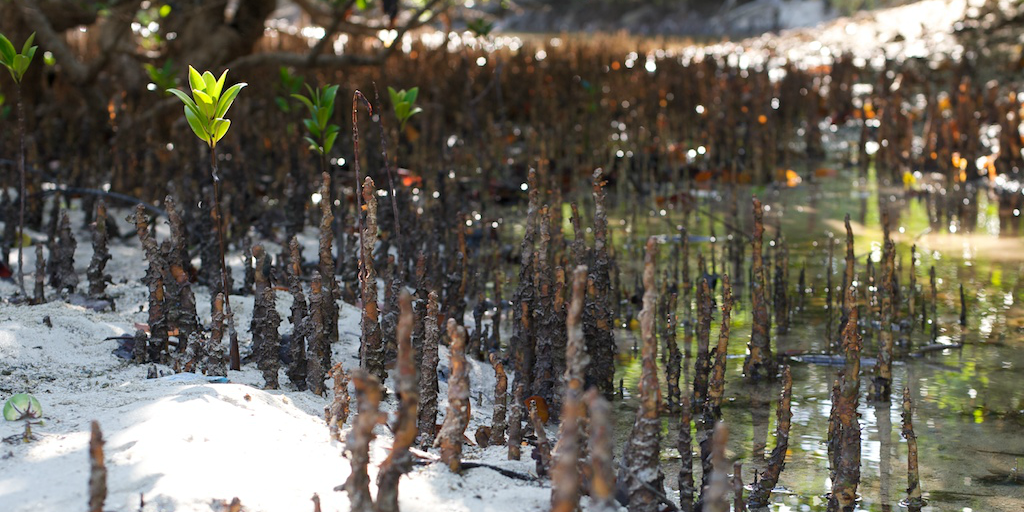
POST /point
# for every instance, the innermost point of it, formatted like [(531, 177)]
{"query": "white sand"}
[(188, 446)]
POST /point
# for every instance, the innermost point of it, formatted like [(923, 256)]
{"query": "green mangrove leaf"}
[(185, 99), (322, 116), (313, 128), (219, 86), (329, 141), (205, 102), (329, 94), (225, 101), (305, 101), (195, 80), (220, 128), (7, 52), (28, 43), (402, 111), (22, 406), (197, 125), (210, 83)]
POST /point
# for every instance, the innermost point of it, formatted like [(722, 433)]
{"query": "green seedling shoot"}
[(206, 108), (205, 112), (163, 78), (288, 85), (404, 103), (17, 64), (480, 27), (322, 133), (25, 408)]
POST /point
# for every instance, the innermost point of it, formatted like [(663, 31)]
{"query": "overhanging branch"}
[(301, 60), (76, 72), (315, 59)]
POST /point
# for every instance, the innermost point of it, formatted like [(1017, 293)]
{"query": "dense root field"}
[(592, 272)]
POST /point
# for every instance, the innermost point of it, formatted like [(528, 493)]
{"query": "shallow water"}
[(969, 405)]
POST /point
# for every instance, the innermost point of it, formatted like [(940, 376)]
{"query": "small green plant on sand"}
[(17, 64), (404, 103), (25, 408), (322, 133), (205, 112)]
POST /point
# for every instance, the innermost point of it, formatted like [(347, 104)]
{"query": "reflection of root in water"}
[(882, 410), (760, 404)]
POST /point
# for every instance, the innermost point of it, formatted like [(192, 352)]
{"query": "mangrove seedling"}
[(404, 103), (205, 112), (25, 408), (206, 109), (322, 133), (163, 78), (17, 64), (480, 27), (288, 85)]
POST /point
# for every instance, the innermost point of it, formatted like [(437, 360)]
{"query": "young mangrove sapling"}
[(17, 64), (205, 112)]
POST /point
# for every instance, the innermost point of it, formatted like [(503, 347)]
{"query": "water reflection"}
[(970, 407)]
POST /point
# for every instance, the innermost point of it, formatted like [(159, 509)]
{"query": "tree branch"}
[(114, 30), (300, 60), (75, 70), (328, 60), (336, 19)]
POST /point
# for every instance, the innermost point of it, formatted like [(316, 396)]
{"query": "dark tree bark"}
[(297, 349), (759, 364), (98, 470), (457, 418), (597, 316), (61, 265), (498, 416), (266, 339), (427, 424), (318, 359), (640, 473), (600, 447), (844, 429), (98, 278), (357, 443), (337, 411), (565, 478), (372, 349), (523, 341), (208, 37), (154, 282), (399, 461)]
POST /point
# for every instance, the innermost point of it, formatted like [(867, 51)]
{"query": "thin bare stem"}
[(21, 195), (391, 181), (235, 360), (356, 97)]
